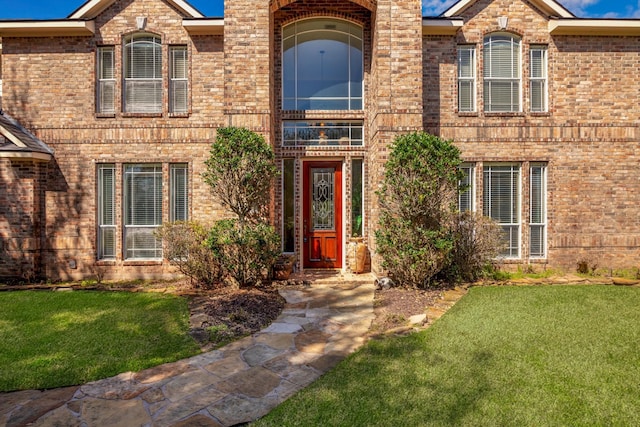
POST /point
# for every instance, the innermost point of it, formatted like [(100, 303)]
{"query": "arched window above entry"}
[(322, 65)]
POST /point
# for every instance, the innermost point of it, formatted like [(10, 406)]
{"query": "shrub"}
[(244, 253), (185, 247), (421, 236)]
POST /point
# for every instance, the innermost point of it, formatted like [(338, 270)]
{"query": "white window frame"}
[(305, 28), (469, 193), (106, 76), (136, 233), (178, 79), (467, 81), (106, 211), (142, 94), (491, 77), (179, 192), (538, 221), (540, 79), (511, 229)]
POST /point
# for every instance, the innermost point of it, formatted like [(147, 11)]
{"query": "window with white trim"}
[(179, 82), (466, 194), (179, 192), (538, 79), (142, 60), (502, 67), (467, 79), (106, 90), (501, 201), (143, 190), (106, 211), (322, 65), (538, 210)]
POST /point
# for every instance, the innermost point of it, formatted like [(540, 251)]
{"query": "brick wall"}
[(589, 138)]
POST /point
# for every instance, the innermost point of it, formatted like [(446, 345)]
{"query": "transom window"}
[(322, 65), (502, 81), (143, 74), (304, 133)]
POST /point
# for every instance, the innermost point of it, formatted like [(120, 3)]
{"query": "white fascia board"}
[(26, 155), (595, 27), (551, 6), (46, 28), (93, 8), (439, 26), (214, 26)]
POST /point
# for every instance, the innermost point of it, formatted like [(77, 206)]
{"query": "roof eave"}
[(93, 8), (594, 27), (441, 27), (552, 7), (204, 27), (26, 155), (47, 28)]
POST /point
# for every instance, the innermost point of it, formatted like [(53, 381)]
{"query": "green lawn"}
[(50, 339), (502, 356)]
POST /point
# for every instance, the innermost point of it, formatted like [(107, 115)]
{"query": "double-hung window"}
[(467, 189), (179, 192), (467, 79), (106, 90), (142, 210), (142, 74), (538, 210), (502, 73), (179, 82), (538, 81), (106, 211), (501, 201)]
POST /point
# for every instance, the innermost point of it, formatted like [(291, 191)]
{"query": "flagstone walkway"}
[(320, 325)]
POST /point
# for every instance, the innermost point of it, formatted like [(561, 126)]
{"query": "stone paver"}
[(239, 383)]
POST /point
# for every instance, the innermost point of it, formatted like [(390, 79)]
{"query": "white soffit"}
[(93, 8), (594, 27), (441, 27), (552, 7), (206, 27), (46, 28)]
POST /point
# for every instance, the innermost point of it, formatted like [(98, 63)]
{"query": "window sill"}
[(468, 113), (142, 262), (144, 115), (503, 114), (179, 115), (105, 262), (105, 115), (540, 114)]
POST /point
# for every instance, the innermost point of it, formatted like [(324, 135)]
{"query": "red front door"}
[(322, 226)]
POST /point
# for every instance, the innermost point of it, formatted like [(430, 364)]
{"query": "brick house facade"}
[(126, 96)]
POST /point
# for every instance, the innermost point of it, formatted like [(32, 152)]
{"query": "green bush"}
[(245, 254), (421, 235), (185, 247)]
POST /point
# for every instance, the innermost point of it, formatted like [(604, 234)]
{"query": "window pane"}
[(303, 133), (288, 214), (143, 74), (106, 80), (322, 65), (502, 73), (465, 197), (357, 199), (179, 193), (142, 210), (179, 81), (501, 201), (538, 210), (538, 81), (106, 211)]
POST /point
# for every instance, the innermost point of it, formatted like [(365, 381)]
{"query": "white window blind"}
[(466, 78), (143, 74), (106, 212), (538, 210), (179, 192), (501, 201), (467, 190), (142, 210), (106, 91), (538, 86), (179, 84), (501, 73)]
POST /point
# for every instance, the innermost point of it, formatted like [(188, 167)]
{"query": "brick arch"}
[(367, 4)]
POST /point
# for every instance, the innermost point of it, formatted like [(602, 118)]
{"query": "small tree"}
[(421, 234), (241, 171)]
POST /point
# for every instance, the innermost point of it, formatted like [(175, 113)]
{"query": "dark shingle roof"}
[(27, 142)]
